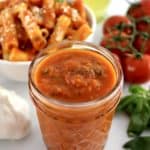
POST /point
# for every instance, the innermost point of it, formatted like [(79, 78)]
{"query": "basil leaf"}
[(130, 104), (136, 89), (139, 143), (124, 103), (138, 123), (137, 106)]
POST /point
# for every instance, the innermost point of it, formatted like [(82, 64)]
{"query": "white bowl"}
[(18, 71), (93, 23)]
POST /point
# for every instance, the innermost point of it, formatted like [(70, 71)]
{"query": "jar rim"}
[(58, 103)]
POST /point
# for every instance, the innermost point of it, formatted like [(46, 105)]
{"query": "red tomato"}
[(135, 10), (143, 26), (138, 44), (138, 10), (111, 42), (113, 21), (136, 70), (146, 6)]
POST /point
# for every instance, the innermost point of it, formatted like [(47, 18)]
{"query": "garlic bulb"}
[(15, 122)]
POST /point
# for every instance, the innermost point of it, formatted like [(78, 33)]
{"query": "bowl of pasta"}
[(28, 26)]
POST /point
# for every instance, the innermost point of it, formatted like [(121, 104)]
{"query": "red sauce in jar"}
[(75, 76), (70, 76)]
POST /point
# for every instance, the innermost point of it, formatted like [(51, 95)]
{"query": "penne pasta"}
[(21, 34), (70, 33), (36, 11), (3, 4), (18, 55), (60, 30), (31, 53), (45, 32), (9, 35), (48, 13), (14, 2), (62, 9), (79, 5), (77, 20), (82, 33), (32, 29), (27, 26), (34, 2)]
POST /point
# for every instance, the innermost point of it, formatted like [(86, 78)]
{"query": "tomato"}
[(146, 6), (114, 21), (143, 26), (138, 10), (135, 10), (111, 42), (136, 70), (139, 42)]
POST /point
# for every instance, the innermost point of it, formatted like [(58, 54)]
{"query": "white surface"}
[(117, 135)]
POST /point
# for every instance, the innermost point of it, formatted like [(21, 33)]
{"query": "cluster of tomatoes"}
[(128, 37)]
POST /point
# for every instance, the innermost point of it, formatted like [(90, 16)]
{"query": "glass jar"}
[(69, 125)]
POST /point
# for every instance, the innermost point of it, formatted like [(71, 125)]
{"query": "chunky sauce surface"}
[(75, 76)]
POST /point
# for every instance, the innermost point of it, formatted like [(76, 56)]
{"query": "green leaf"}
[(124, 103), (136, 89), (131, 103), (138, 123), (137, 106), (139, 143)]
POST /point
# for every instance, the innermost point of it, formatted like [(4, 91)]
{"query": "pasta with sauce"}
[(27, 26)]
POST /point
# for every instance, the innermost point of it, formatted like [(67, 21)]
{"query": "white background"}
[(117, 135)]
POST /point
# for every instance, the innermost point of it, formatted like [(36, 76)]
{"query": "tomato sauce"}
[(62, 81), (75, 76)]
